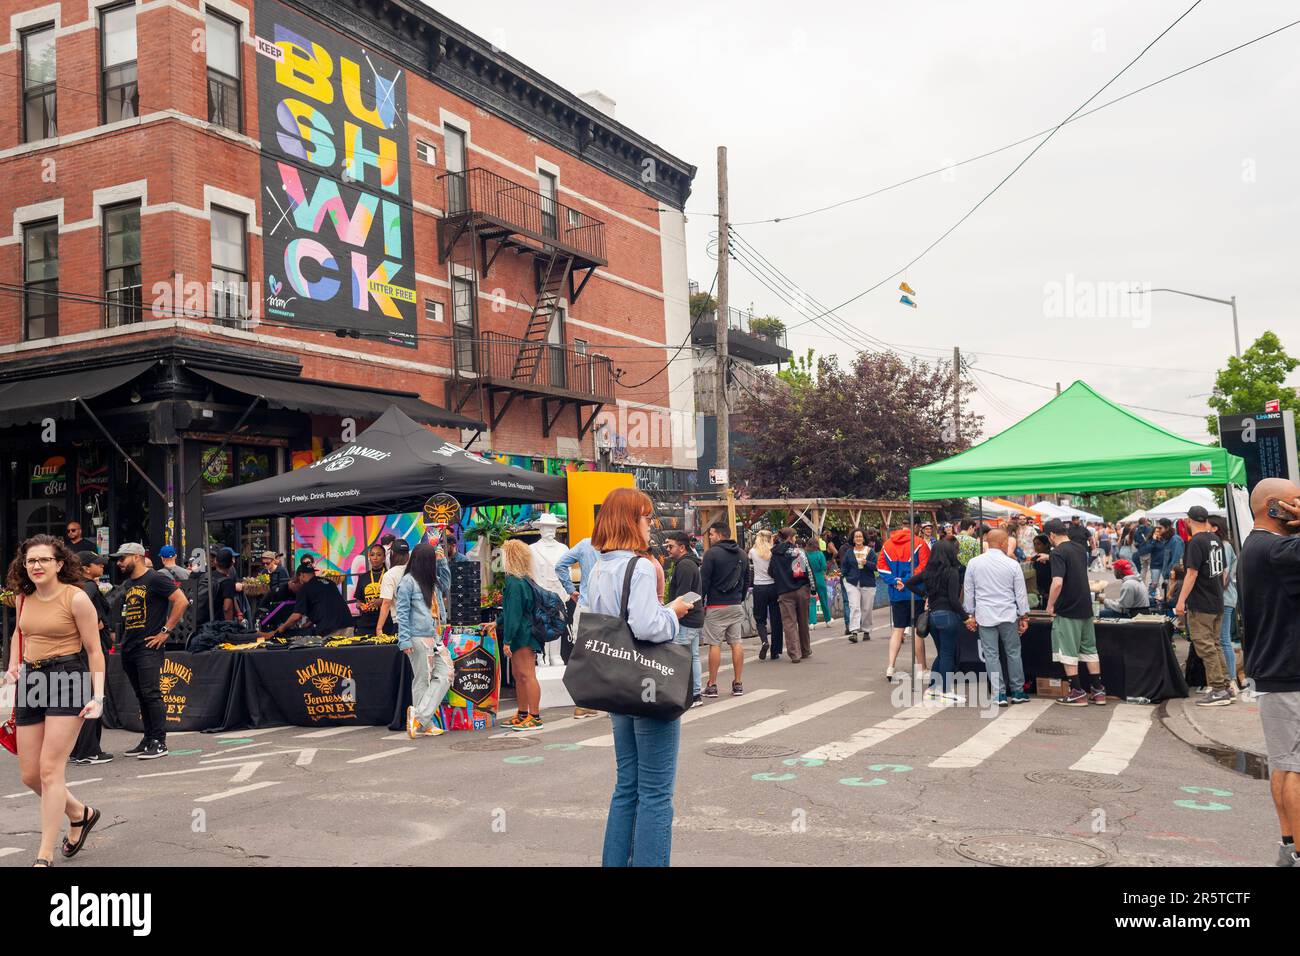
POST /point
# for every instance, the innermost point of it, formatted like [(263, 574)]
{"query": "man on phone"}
[(686, 580), (1269, 601)]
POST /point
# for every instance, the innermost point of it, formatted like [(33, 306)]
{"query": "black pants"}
[(768, 611), (143, 666), (88, 741)]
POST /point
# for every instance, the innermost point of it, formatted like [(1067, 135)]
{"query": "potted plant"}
[(768, 326)]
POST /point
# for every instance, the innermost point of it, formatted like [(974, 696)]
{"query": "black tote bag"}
[(611, 670)]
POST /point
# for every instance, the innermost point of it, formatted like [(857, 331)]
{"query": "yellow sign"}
[(587, 490), (392, 291)]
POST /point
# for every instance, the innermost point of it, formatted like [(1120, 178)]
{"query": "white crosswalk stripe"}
[(781, 721), (999, 732), (10, 850), (256, 732), (1120, 743), (330, 732), (699, 713), (234, 792), (381, 755), (873, 735)]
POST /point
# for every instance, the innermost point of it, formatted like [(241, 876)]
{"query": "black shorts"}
[(60, 690), (901, 611)]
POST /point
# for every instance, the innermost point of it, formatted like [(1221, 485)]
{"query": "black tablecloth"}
[(196, 692), (314, 687), (1137, 658)]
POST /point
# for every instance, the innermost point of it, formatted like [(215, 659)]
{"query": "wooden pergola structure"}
[(814, 511)]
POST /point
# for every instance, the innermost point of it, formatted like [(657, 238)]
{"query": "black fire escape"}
[(486, 216)]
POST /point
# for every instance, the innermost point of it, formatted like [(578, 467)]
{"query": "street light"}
[(1236, 337)]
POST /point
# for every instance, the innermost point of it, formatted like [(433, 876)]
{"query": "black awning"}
[(304, 395), (31, 400)]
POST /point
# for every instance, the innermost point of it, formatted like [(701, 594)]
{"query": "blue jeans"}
[(1225, 641), (1009, 634), (691, 636), (639, 830), (945, 628)]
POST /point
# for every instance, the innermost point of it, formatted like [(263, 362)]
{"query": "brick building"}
[(229, 226)]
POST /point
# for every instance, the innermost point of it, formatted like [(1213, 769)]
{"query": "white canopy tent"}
[(1049, 510), (1133, 518), (1176, 507)]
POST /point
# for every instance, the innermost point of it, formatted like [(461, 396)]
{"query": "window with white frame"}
[(39, 98), (426, 152), (118, 63), (224, 73), (41, 280), (229, 266), (433, 310)]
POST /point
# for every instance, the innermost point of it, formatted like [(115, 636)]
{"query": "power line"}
[(1019, 142), (1041, 143), (1145, 408), (689, 332)]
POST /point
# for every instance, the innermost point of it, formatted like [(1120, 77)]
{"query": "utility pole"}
[(1058, 388), (956, 394), (721, 411)]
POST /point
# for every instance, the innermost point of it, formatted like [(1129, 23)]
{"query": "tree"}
[(852, 433), (801, 373), (1255, 378)]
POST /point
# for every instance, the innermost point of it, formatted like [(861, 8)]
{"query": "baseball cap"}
[(131, 547), (269, 555), (89, 557), (1198, 513), (1055, 526), (305, 568), (1124, 567), (166, 551), (400, 546)]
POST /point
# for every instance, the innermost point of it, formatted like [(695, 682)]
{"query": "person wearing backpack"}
[(515, 633), (789, 569), (724, 580)]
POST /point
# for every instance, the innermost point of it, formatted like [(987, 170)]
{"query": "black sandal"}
[(89, 817), (41, 861)]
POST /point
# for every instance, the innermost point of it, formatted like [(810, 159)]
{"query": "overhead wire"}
[(1019, 142), (1020, 165)]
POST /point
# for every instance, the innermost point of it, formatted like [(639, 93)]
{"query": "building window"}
[(38, 84), (550, 187), (122, 284), (223, 73), (433, 310), (229, 266), (426, 152), (453, 145), (117, 56), (462, 314), (574, 218), (41, 280)]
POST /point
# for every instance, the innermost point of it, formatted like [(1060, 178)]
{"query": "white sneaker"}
[(889, 673), (954, 697)]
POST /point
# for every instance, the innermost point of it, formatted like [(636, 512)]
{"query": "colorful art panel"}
[(338, 246)]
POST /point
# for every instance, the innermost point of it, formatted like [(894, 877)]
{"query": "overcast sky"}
[(1192, 185)]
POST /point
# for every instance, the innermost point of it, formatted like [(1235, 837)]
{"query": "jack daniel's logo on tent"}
[(345, 457)]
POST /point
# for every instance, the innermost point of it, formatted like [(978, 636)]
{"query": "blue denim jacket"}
[(585, 557), (412, 614)]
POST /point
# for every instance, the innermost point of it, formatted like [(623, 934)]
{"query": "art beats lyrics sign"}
[(336, 181)]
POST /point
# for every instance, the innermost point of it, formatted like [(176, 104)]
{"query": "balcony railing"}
[(744, 322), (560, 369), (480, 192)]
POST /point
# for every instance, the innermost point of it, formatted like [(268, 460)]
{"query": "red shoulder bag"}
[(9, 729)]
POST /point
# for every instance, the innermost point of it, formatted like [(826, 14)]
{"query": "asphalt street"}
[(845, 769)]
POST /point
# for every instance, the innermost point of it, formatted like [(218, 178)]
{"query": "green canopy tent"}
[(1078, 442)]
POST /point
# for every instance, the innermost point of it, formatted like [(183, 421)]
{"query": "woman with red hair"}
[(638, 831)]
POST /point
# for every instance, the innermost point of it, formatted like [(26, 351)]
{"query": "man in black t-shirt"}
[(152, 606), (322, 604), (1074, 639), (1269, 581), (1201, 598), (76, 543)]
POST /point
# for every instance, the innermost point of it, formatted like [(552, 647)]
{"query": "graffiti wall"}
[(336, 187)]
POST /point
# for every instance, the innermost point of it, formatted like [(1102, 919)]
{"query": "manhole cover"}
[(1013, 849), (1053, 731), (1081, 780), (749, 750), (497, 743)]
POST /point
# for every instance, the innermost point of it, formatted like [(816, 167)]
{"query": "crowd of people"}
[(935, 580)]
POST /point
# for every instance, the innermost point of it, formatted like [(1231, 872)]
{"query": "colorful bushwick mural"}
[(339, 544)]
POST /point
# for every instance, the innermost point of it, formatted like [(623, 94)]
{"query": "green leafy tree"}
[(1255, 378), (801, 372)]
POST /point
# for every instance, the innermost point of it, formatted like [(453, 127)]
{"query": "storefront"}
[(128, 442)]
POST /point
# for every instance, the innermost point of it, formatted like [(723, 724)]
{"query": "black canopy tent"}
[(392, 467)]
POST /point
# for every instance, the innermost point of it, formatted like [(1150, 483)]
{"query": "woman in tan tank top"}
[(59, 661)]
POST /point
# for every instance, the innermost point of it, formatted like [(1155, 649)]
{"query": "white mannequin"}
[(546, 552)]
